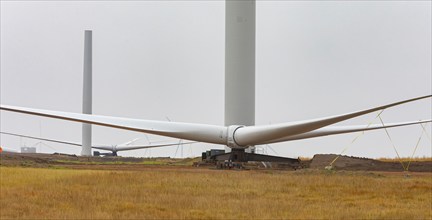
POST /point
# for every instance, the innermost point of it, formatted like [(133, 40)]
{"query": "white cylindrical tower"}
[(239, 63), (87, 93)]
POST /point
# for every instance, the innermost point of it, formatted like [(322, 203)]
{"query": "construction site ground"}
[(318, 162)]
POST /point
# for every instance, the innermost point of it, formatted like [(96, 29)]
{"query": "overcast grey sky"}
[(153, 60)]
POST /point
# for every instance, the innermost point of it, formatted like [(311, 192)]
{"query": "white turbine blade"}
[(252, 135), (42, 139), (101, 147), (136, 147), (243, 136), (196, 132), (332, 130), (129, 142)]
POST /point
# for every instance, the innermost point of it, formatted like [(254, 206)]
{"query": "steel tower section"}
[(87, 93), (239, 63)]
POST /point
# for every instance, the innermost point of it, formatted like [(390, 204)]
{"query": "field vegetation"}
[(147, 161), (193, 193), (405, 159)]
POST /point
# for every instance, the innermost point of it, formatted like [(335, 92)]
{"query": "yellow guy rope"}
[(427, 135), (415, 149), (357, 137), (394, 147)]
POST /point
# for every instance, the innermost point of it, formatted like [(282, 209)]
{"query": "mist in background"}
[(157, 60)]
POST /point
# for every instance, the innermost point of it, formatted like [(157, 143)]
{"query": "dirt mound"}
[(321, 161)]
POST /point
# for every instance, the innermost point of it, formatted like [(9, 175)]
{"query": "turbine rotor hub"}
[(231, 143)]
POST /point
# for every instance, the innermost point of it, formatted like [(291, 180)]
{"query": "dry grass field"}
[(405, 159), (194, 193)]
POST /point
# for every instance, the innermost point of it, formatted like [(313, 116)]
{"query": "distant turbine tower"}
[(87, 93), (239, 63)]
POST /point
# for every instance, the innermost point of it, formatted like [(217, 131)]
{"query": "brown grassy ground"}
[(184, 193), (405, 159)]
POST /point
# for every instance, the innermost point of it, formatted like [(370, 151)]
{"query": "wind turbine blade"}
[(42, 139), (332, 130), (101, 147), (130, 142), (136, 147), (195, 132), (253, 135), (243, 136)]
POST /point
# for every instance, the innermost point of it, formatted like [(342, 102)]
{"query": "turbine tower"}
[(87, 93), (239, 63)]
